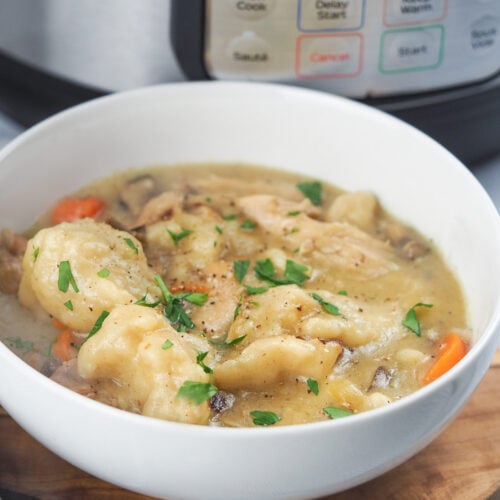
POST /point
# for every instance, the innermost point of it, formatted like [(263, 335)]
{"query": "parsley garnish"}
[(229, 217), (235, 341), (98, 324), (294, 213), (327, 306), (334, 412), (342, 292), (103, 273), (218, 229), (240, 269), (167, 344), (173, 305), (313, 386), (131, 244), (311, 190), (264, 417), (176, 237), (21, 344), (199, 360), (411, 321), (69, 305), (196, 392), (36, 252), (294, 273), (255, 290), (248, 224), (66, 277)]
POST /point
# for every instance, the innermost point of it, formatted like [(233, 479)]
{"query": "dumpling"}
[(138, 362), (77, 270)]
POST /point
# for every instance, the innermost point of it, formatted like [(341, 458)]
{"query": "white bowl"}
[(330, 138)]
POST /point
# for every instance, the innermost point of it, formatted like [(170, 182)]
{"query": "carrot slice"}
[(189, 287), (451, 351), (70, 209), (63, 347)]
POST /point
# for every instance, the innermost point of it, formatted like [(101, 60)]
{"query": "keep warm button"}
[(328, 56), (411, 49)]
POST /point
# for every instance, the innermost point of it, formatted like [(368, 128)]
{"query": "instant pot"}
[(433, 63)]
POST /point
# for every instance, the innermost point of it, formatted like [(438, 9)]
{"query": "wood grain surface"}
[(463, 463)]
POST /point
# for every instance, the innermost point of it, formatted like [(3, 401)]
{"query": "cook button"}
[(411, 50), (328, 56), (484, 34), (249, 51), (398, 12), (252, 9), (330, 15)]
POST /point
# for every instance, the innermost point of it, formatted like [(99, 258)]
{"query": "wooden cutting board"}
[(463, 463)]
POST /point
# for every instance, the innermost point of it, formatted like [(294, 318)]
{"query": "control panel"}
[(357, 48)]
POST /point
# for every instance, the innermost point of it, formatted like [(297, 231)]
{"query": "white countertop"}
[(487, 173)]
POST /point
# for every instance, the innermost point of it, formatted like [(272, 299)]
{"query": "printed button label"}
[(401, 12), (249, 50), (330, 15), (484, 34), (252, 9), (411, 49), (328, 56)]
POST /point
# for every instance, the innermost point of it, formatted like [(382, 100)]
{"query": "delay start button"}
[(252, 9), (330, 15)]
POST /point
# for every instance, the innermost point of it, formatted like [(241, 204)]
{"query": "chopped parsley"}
[(98, 324), (18, 343), (218, 229), (264, 417), (248, 224), (293, 213), (334, 412), (68, 305), (229, 217), (199, 361), (103, 273), (66, 277), (36, 252), (240, 269), (411, 321), (173, 305), (196, 392), (176, 237), (295, 273), (342, 292), (224, 343), (167, 344), (312, 191), (313, 386), (131, 244), (255, 290), (327, 306)]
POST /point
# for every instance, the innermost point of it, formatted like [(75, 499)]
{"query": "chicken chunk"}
[(326, 244), (61, 267), (358, 208), (129, 367)]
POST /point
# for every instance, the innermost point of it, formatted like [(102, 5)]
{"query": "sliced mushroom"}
[(136, 192), (12, 248), (381, 378), (222, 401), (159, 208), (414, 249)]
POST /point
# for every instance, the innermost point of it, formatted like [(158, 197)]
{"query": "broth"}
[(207, 293)]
